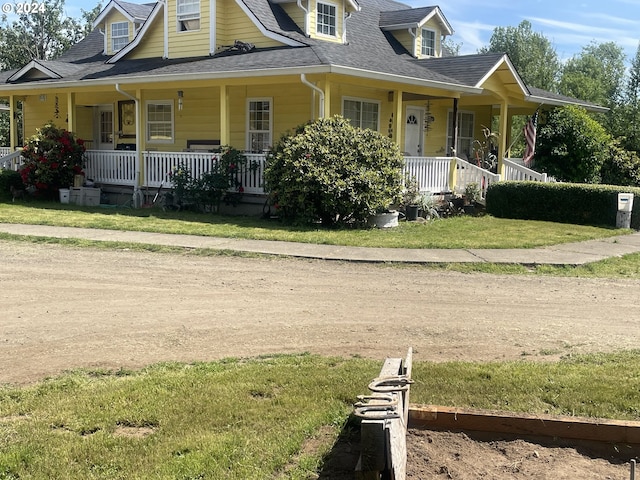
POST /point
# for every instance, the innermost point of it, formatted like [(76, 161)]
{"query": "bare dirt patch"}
[(66, 308)]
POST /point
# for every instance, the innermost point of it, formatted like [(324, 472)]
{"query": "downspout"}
[(304, 80), (306, 17), (413, 33), (165, 32), (137, 193), (344, 28)]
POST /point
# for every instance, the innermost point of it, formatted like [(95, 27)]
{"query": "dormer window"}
[(326, 19), (188, 15), (428, 43), (119, 35)]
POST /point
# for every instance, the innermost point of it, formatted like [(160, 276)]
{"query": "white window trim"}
[(331, 4), (114, 37), (435, 42), (147, 123), (185, 17), (473, 129), (364, 100), (248, 122)]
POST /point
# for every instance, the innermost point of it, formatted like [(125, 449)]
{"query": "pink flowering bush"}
[(51, 158)]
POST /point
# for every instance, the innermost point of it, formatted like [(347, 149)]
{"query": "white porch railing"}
[(467, 173), (432, 173), (514, 169), (8, 160), (114, 167), (157, 166)]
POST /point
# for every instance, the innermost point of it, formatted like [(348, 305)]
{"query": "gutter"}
[(303, 79), (306, 17)]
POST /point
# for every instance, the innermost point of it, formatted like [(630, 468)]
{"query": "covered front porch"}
[(112, 169)]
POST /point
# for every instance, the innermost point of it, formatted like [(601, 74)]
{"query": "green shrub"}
[(209, 190), (51, 159), (571, 146), (621, 167), (580, 204), (9, 178), (332, 172)]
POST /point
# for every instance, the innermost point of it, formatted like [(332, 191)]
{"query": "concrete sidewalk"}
[(565, 254)]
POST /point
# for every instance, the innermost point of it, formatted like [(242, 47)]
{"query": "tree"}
[(531, 53), (631, 107), (596, 74), (332, 172), (572, 146), (43, 36)]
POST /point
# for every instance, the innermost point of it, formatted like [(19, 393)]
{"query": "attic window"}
[(188, 15), (428, 43), (326, 19), (119, 35)]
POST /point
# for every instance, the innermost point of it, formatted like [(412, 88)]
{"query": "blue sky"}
[(568, 24)]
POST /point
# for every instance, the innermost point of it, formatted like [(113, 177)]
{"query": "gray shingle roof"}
[(404, 16), (136, 10), (368, 49)]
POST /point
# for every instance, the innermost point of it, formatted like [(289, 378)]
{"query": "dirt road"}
[(65, 308)]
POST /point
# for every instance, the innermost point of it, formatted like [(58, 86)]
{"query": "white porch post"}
[(399, 120)]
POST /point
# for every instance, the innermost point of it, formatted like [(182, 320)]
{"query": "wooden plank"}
[(397, 445), (451, 418)]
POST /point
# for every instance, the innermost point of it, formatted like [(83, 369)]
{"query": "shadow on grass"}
[(340, 462)]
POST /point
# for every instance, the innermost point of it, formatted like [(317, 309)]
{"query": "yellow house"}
[(159, 83)]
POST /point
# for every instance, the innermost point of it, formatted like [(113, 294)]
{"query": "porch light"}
[(180, 95), (43, 97)]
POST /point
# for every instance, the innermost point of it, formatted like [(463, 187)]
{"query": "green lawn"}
[(459, 232), (254, 419)]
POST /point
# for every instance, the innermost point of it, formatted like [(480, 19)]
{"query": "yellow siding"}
[(238, 26), (116, 17), (192, 43), (152, 45), (295, 12), (407, 40), (37, 112), (339, 20)]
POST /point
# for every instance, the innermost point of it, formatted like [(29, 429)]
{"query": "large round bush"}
[(331, 172), (572, 146), (51, 158)]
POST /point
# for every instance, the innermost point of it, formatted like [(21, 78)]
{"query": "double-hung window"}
[(188, 14), (160, 121), (119, 35), (428, 43), (259, 124), (326, 19), (362, 113)]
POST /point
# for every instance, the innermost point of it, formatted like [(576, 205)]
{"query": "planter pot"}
[(469, 209), (64, 195), (384, 220), (411, 212)]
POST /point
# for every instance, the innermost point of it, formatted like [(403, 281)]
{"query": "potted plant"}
[(471, 197), (427, 206), (410, 200)]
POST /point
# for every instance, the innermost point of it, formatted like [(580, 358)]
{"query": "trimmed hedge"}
[(580, 204)]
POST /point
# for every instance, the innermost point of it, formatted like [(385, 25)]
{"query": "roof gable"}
[(43, 70), (135, 13), (157, 8), (413, 18)]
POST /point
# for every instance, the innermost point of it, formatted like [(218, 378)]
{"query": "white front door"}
[(413, 131), (104, 127)]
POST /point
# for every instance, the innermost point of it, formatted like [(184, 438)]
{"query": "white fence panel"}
[(432, 173), (11, 161), (4, 151), (115, 167), (515, 170), (252, 177)]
